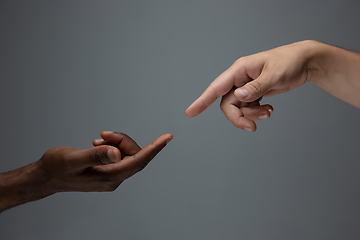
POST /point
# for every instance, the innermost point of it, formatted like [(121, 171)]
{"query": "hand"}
[(250, 78), (104, 167)]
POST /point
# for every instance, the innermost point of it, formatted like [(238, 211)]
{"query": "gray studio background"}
[(70, 69)]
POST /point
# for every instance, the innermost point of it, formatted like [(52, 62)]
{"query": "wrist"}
[(39, 180), (335, 70), (326, 62), (313, 53)]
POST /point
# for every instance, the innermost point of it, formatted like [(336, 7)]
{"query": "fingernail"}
[(111, 155), (108, 132), (263, 116), (270, 110), (248, 129), (242, 92), (99, 140)]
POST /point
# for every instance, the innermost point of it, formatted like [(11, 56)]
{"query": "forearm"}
[(337, 71), (23, 185)]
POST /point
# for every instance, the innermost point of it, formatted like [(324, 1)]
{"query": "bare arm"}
[(104, 167), (277, 71), (337, 71), (23, 185)]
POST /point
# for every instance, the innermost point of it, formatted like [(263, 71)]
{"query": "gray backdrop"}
[(70, 69)]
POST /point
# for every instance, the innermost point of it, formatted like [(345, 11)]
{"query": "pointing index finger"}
[(138, 161), (219, 87), (145, 155)]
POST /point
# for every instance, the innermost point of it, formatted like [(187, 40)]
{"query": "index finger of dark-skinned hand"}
[(139, 161)]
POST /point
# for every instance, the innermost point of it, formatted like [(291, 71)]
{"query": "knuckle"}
[(255, 86), (239, 61), (96, 158), (215, 90), (122, 135)]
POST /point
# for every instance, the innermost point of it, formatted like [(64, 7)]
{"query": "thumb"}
[(90, 157), (254, 90)]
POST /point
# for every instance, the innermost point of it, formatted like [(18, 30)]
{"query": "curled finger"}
[(231, 108), (256, 113)]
